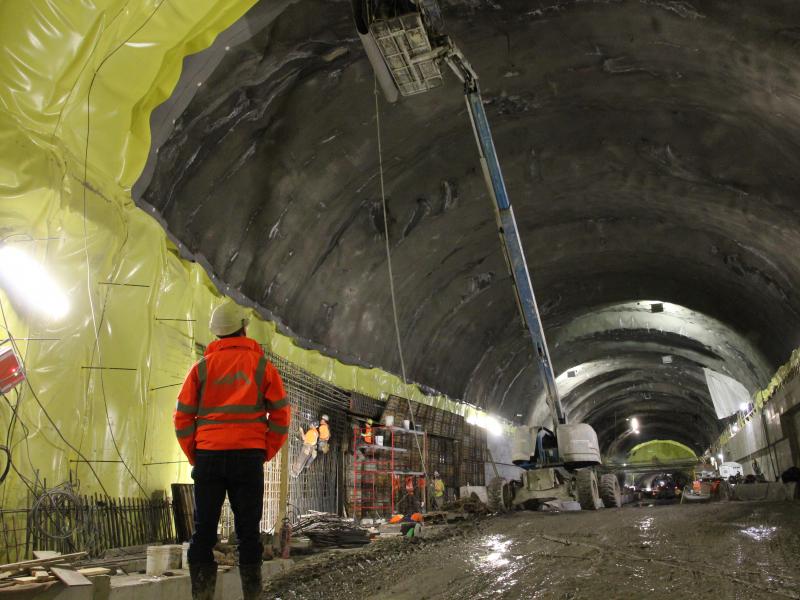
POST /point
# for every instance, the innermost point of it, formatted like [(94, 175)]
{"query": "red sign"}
[(11, 373)]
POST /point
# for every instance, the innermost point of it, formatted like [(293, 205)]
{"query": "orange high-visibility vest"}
[(324, 432), (232, 399), (311, 436), (368, 434)]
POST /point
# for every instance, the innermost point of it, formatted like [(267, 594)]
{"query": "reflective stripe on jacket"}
[(232, 399)]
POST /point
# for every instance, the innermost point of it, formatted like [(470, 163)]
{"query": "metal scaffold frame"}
[(377, 468)]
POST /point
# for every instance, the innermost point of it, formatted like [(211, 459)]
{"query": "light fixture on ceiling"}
[(25, 280), (635, 425)]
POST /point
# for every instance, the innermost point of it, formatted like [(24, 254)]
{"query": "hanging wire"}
[(391, 277), (41, 406), (95, 324)]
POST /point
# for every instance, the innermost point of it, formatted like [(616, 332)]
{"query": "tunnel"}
[(647, 149)]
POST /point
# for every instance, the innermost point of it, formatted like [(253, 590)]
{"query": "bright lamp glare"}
[(719, 456), (490, 424), (23, 277), (635, 424)]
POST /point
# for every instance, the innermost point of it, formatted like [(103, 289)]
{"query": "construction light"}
[(735, 428), (26, 280), (720, 456), (493, 426), (635, 424), (490, 424)]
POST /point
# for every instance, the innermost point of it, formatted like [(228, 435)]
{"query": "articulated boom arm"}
[(507, 227), (406, 51)]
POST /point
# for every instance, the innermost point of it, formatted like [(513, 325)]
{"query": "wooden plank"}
[(94, 571), (27, 564), (27, 579), (46, 553), (70, 577)]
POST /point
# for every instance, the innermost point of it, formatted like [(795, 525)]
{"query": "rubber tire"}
[(497, 494), (609, 491), (588, 491)]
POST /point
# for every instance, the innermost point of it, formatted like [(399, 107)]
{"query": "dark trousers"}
[(240, 473)]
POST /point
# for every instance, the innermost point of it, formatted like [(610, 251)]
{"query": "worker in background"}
[(308, 452), (324, 435), (438, 491), (232, 416), (367, 434)]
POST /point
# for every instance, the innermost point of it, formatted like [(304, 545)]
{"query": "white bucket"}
[(406, 424), (185, 556), (389, 419), (163, 558), (379, 440)]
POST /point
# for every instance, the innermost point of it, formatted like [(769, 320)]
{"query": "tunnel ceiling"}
[(651, 149)]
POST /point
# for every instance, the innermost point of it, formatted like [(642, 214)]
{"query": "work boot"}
[(204, 580), (251, 581)]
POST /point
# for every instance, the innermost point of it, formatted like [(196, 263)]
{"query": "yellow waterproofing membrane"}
[(782, 376), (78, 81), (660, 451)]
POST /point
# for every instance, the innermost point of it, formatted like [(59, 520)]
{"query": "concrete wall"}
[(772, 437)]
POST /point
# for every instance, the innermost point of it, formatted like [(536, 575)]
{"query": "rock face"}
[(651, 150)]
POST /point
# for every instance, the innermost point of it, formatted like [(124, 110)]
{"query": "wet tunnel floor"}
[(735, 550)]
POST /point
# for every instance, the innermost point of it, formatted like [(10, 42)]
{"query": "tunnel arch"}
[(649, 153)]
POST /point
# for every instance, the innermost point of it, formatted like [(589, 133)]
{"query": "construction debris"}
[(326, 530), (48, 569), (471, 504)]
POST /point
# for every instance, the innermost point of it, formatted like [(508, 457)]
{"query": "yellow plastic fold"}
[(78, 81)]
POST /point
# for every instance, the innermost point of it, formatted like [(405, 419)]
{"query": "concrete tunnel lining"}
[(629, 183)]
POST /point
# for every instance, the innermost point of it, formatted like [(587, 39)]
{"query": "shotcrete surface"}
[(735, 550)]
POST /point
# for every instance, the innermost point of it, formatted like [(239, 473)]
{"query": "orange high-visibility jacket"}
[(311, 436), (232, 399), (324, 432)]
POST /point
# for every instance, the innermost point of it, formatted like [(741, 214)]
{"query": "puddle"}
[(498, 547), (759, 533)]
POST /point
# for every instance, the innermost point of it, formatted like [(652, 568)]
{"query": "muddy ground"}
[(731, 550)]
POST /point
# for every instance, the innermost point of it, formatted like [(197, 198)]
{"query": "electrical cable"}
[(391, 276), (43, 409), (95, 329), (7, 452)]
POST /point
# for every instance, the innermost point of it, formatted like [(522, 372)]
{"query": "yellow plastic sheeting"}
[(660, 451), (103, 381)]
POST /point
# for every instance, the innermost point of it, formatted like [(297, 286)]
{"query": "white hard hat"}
[(324, 418), (227, 318)]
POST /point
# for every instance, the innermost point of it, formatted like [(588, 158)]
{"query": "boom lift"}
[(407, 47)]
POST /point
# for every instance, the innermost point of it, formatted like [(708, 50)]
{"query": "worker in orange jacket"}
[(232, 416), (323, 445), (308, 452)]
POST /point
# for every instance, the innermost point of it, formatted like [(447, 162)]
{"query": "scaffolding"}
[(385, 470)]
